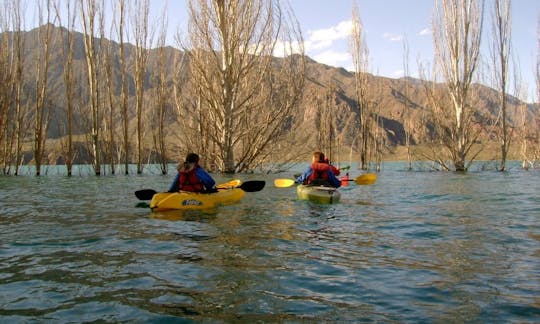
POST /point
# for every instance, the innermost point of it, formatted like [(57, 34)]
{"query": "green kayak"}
[(318, 194)]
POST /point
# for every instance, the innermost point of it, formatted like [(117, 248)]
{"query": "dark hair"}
[(192, 158), (319, 156)]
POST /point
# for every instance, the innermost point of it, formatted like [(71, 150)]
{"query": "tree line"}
[(234, 91)]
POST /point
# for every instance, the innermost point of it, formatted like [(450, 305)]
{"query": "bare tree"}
[(501, 21), (124, 77), (109, 112), (325, 121), (457, 29), (141, 35), (360, 56), (526, 128), (41, 108), (406, 113), (6, 79), (67, 54), (247, 96), (90, 10), (20, 113), (162, 95), (537, 79)]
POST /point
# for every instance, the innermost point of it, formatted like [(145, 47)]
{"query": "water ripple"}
[(414, 247)]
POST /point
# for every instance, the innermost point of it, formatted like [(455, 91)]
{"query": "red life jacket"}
[(188, 181), (319, 171)]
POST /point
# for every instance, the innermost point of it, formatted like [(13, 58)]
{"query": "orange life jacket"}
[(319, 172), (188, 181)]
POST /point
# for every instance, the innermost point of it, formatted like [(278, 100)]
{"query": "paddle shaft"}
[(248, 186)]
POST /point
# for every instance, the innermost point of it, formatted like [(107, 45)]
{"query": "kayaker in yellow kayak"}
[(192, 177), (319, 173)]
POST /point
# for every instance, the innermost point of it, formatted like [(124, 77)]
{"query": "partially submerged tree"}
[(501, 24), (20, 109), (124, 80), (6, 79), (160, 107), (457, 29), (91, 11), (360, 58), (41, 109), (141, 36), (67, 45), (246, 97)]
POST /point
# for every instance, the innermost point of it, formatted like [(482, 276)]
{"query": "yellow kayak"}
[(228, 193), (318, 194)]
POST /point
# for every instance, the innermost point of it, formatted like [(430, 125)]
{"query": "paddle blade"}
[(145, 194), (366, 179), (229, 185), (283, 183), (252, 186)]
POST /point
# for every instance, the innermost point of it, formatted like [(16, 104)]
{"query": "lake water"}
[(414, 247)]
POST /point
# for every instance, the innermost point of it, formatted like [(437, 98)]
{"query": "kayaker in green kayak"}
[(319, 173), (192, 177)]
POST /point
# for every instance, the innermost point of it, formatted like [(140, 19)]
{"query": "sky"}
[(388, 26)]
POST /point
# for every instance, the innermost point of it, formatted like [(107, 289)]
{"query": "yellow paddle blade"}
[(366, 179), (229, 185), (283, 183)]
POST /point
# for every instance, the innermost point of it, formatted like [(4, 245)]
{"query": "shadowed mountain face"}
[(329, 91)]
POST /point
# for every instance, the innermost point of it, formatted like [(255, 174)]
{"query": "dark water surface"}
[(415, 247)]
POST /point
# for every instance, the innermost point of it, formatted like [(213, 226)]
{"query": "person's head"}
[(318, 156), (192, 159)]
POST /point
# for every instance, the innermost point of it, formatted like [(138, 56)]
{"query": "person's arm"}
[(174, 185), (205, 178), (333, 180), (304, 176)]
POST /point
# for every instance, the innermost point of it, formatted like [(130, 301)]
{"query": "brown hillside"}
[(393, 96)]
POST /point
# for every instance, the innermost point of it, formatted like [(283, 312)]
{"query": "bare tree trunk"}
[(406, 114), (89, 12), (6, 82), (537, 79), (360, 56), (162, 95), (124, 101), (140, 30), (67, 54), (20, 110), (109, 107), (41, 111), (501, 20), (457, 29)]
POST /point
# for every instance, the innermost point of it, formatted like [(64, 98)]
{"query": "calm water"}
[(415, 247)]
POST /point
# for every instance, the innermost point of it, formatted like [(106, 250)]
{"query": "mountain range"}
[(396, 99)]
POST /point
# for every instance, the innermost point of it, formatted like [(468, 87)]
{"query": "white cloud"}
[(283, 49), (323, 38), (424, 32), (398, 73), (333, 58), (393, 37)]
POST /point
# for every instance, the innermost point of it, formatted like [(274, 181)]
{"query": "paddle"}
[(248, 186), (145, 194), (364, 179)]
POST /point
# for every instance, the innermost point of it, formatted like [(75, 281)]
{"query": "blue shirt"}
[(201, 174)]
